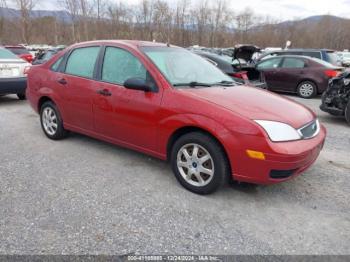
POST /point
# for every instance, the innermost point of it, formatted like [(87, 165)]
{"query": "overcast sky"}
[(279, 9)]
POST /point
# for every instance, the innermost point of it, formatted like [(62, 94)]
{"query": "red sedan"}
[(172, 104)]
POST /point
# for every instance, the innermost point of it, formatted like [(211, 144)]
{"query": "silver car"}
[(13, 78)]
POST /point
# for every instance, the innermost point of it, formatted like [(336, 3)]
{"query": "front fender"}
[(170, 125)]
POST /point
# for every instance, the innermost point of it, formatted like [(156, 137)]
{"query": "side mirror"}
[(137, 84)]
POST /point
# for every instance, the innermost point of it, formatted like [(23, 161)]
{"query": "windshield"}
[(183, 68), (6, 54)]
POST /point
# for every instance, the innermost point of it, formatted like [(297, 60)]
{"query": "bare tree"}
[(25, 7), (72, 7), (3, 5)]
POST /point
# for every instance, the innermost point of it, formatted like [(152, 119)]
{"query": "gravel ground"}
[(83, 196)]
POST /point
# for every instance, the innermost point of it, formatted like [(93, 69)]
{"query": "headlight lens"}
[(279, 132)]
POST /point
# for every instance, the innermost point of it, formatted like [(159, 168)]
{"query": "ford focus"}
[(167, 102)]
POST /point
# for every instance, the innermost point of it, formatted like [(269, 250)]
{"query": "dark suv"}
[(327, 55)]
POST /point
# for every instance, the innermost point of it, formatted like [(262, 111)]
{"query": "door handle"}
[(104, 92), (62, 81)]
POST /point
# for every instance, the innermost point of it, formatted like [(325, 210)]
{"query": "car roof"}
[(288, 56), (130, 43), (302, 50)]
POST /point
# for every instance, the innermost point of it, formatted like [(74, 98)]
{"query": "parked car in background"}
[(345, 59), (336, 99), (13, 78), (226, 64), (326, 55), (302, 75), (172, 104), (21, 52), (45, 55)]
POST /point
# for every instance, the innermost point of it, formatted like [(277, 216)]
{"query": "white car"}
[(345, 59), (13, 77)]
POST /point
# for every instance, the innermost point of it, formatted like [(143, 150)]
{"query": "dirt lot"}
[(83, 196)]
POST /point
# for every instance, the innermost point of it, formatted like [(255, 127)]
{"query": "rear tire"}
[(307, 89), (347, 113), (199, 163), (51, 121), (21, 96)]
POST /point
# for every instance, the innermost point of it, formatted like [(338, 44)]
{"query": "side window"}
[(81, 61), (270, 64), (119, 65), (293, 63), (57, 64)]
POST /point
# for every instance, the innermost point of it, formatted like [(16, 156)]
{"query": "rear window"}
[(81, 61), (18, 51), (324, 63), (6, 54)]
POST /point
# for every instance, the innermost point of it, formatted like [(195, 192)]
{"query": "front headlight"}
[(279, 132)]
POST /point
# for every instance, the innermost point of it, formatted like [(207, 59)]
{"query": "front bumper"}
[(13, 85), (285, 161)]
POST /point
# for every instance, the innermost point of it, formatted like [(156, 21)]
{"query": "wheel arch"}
[(42, 100), (307, 80), (189, 129)]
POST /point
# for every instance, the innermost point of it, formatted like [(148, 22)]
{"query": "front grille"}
[(310, 130)]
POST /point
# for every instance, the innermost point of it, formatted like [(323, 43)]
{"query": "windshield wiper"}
[(193, 84), (226, 83)]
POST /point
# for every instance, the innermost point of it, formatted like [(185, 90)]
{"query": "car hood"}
[(256, 104)]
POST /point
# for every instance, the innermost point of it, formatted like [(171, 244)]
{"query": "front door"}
[(270, 69), (126, 116)]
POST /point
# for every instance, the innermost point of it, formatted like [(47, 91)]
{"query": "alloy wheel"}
[(195, 165), (49, 120)]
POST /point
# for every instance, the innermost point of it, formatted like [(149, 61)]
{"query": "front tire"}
[(199, 163), (307, 89), (51, 121), (347, 113), (21, 96)]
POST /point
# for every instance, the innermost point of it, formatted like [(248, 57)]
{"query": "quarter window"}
[(81, 61), (119, 65), (57, 64), (293, 63)]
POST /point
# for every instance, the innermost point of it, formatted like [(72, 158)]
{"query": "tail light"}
[(331, 73)]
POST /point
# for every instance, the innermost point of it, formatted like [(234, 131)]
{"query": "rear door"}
[(269, 69), (76, 86), (291, 72)]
